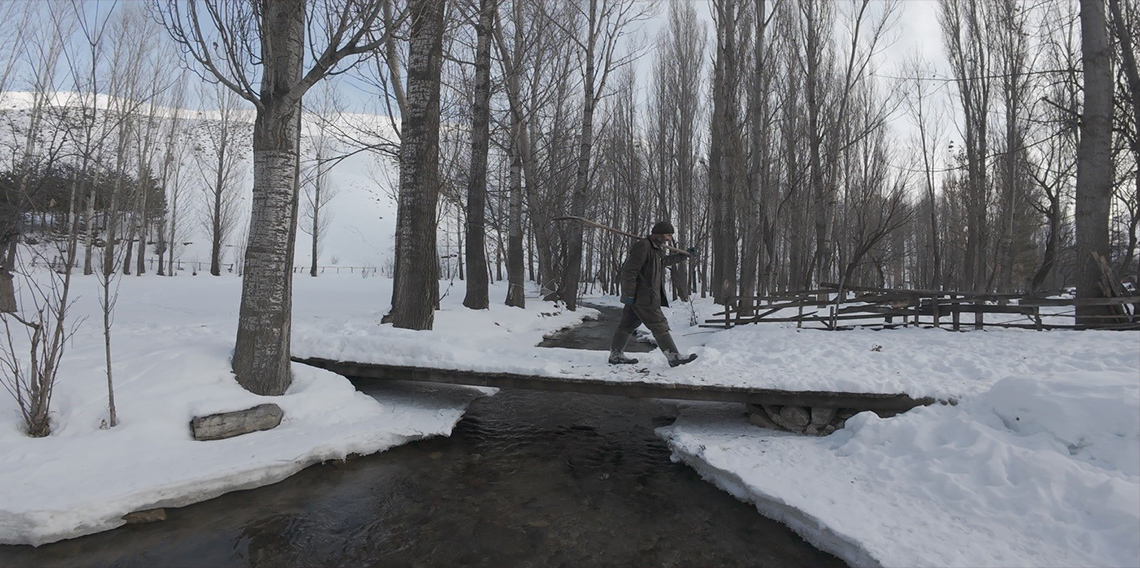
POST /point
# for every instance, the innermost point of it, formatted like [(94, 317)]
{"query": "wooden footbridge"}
[(884, 404)]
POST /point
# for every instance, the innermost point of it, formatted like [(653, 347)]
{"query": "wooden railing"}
[(861, 306)]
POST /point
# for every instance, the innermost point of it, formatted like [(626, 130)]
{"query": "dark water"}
[(526, 479)]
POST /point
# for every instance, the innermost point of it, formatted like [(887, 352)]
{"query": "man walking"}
[(643, 293)]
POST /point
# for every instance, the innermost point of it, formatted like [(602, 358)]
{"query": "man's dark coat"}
[(643, 274)]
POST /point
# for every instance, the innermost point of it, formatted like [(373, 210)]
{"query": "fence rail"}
[(226, 267)]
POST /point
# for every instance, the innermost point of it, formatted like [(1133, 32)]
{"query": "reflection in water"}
[(526, 479)]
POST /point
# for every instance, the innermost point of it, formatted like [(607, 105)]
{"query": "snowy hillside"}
[(363, 210)]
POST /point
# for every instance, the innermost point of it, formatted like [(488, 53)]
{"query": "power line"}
[(935, 78)]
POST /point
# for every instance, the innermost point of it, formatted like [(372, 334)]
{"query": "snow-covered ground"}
[(1038, 464), (917, 361), (172, 341)]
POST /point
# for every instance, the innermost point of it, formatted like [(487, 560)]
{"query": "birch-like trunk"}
[(261, 353), (1094, 159), (568, 289), (477, 277), (1132, 74), (516, 269), (416, 283), (7, 285)]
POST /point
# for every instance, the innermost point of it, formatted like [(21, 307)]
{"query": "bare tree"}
[(87, 65), (44, 316), (677, 77), (1123, 25), (511, 60), (32, 382), (535, 77), (1053, 163), (170, 173), (149, 205), (221, 164), (965, 31), (18, 15), (12, 46), (382, 72), (1094, 160), (603, 25), (929, 120), (477, 297), (415, 287), (874, 202), (316, 187), (31, 379), (758, 197), (727, 169), (107, 272), (272, 35), (136, 88)]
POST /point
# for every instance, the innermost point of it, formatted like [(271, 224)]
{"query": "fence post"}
[(800, 309), (956, 311), (727, 312), (979, 314), (934, 308)]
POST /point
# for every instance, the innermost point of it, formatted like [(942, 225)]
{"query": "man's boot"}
[(669, 348), (617, 350)]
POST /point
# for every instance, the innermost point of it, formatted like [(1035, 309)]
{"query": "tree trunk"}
[(1132, 73), (725, 153), (89, 231), (757, 206), (822, 194), (515, 267), (7, 285), (1094, 159), (1052, 244), (316, 226), (141, 221), (173, 232), (477, 276), (969, 60), (216, 223), (416, 280), (568, 289), (261, 353)]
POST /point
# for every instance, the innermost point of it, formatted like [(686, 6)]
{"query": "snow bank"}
[(172, 341), (1038, 471)]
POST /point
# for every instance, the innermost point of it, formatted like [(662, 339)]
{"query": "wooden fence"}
[(879, 308)]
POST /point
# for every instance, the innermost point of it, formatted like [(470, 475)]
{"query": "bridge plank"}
[(888, 403)]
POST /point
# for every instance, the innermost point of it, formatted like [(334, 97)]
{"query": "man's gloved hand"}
[(627, 300), (692, 251)]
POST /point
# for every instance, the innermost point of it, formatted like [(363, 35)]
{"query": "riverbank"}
[(1041, 454), (171, 344), (1037, 464)]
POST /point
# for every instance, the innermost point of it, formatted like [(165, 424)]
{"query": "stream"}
[(526, 479)]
